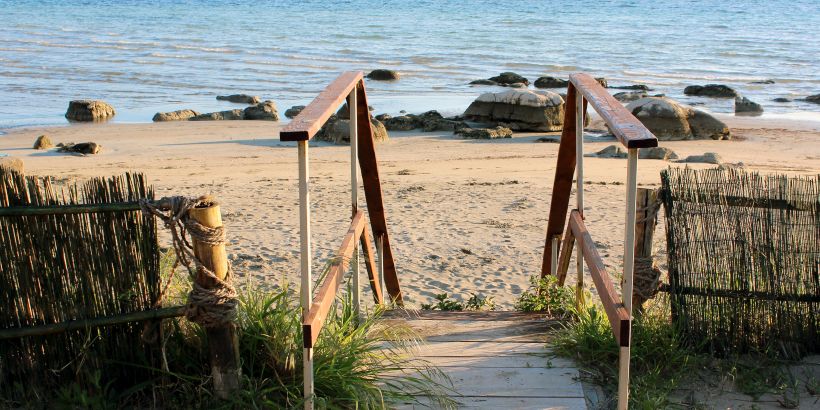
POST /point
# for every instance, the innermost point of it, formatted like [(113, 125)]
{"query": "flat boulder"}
[(178, 115), (661, 153), (745, 106), (43, 142), (337, 131), (13, 164), (813, 98), (672, 121), (509, 78), (384, 75), (239, 98), (629, 96), (550, 82), (520, 110), (220, 116), (82, 148), (611, 151), (483, 82), (292, 112), (706, 158), (485, 133), (782, 100), (265, 110), (89, 110), (638, 87), (711, 90)]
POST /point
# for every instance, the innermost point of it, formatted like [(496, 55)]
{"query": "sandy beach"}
[(466, 216)]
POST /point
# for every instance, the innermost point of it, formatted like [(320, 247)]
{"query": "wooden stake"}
[(222, 341), (644, 231)]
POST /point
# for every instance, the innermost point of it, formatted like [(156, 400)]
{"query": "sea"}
[(148, 56)]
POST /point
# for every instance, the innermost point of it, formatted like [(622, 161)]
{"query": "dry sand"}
[(465, 216)]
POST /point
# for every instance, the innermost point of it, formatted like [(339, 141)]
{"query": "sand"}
[(465, 216)]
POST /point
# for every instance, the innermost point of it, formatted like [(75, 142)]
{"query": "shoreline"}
[(443, 194)]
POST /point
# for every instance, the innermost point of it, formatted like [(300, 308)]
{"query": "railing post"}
[(380, 254), (629, 270), (579, 191), (354, 192), (306, 293), (555, 246)]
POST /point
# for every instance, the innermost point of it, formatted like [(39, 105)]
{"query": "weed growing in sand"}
[(445, 304), (544, 295)]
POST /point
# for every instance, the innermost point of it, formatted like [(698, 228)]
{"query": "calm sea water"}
[(147, 56)]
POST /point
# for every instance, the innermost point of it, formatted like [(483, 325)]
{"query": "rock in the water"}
[(483, 82), (661, 153), (292, 112), (337, 131), (711, 90), (706, 158), (639, 87), (265, 110), (383, 117), (43, 142), (744, 105), (762, 82), (239, 98), (629, 96), (519, 110), (179, 115), (782, 100), (813, 98), (219, 116), (89, 110), (84, 148), (13, 164), (671, 121), (550, 82), (509, 78), (383, 75), (485, 133)]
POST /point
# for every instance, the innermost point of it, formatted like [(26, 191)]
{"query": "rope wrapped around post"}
[(210, 307)]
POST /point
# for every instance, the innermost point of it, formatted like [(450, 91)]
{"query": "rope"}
[(646, 278), (212, 306)]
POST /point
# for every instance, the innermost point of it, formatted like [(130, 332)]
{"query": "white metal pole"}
[(579, 192), (629, 266), (305, 255), (354, 193)]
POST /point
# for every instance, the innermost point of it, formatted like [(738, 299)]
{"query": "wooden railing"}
[(348, 86), (633, 135)]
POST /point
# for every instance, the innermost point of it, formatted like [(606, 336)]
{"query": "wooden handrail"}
[(628, 129), (315, 318), (614, 307), (314, 116)]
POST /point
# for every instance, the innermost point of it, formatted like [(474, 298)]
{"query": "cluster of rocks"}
[(519, 110), (661, 153), (43, 142), (429, 121), (743, 105), (506, 79), (337, 128), (89, 110), (554, 82), (671, 121), (265, 110)]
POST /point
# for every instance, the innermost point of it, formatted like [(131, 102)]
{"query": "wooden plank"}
[(562, 185), (503, 361), (566, 255), (615, 310), (628, 129), (517, 403), (49, 329), (370, 264), (314, 116), (481, 349), (322, 302), (492, 316), (369, 166)]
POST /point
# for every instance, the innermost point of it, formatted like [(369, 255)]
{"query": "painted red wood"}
[(314, 116)]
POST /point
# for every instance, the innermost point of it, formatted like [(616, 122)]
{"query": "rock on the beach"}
[(706, 158), (83, 148), (744, 105), (383, 75), (483, 82), (509, 78), (530, 110), (337, 131), (711, 90), (292, 112), (611, 151), (344, 112), (178, 115), (629, 96), (383, 117), (813, 98), (671, 121), (265, 110), (239, 98), (401, 123), (661, 153), (89, 110), (13, 164), (550, 82), (220, 115), (485, 133), (43, 142)]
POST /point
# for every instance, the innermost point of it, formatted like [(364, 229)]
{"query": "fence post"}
[(648, 276), (306, 258), (222, 341)]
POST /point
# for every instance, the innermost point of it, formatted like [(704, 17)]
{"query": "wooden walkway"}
[(496, 360)]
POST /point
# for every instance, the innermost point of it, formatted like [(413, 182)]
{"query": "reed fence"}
[(743, 257)]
